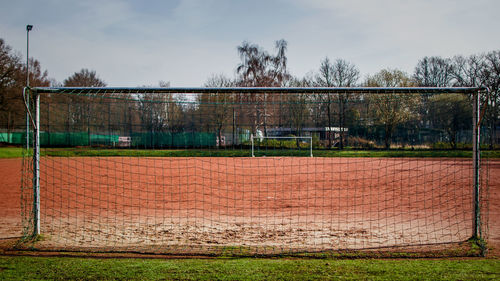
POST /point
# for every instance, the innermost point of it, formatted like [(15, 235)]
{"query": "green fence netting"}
[(138, 140)]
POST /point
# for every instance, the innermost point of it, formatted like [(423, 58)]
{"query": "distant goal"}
[(273, 145)]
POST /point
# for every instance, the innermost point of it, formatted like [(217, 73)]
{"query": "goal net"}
[(169, 170)]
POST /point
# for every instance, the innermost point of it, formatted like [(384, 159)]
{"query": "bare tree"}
[(219, 81), (84, 78), (216, 108), (481, 70), (298, 107), (12, 81), (160, 113), (452, 113), (153, 113), (491, 74), (325, 79), (10, 103), (340, 73), (391, 110), (279, 71), (260, 69), (82, 107), (433, 72), (467, 71)]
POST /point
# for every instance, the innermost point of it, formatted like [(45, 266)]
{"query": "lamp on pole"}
[(29, 27)]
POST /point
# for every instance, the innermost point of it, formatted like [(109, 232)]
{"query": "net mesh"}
[(171, 172)]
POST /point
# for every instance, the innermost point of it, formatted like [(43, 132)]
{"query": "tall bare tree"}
[(217, 108), (160, 113), (82, 108), (12, 81), (491, 74), (258, 68), (340, 73), (10, 103), (325, 79), (298, 110), (433, 72), (467, 71), (84, 78), (481, 70), (391, 110), (452, 113)]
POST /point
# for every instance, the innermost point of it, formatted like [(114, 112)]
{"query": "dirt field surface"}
[(271, 204)]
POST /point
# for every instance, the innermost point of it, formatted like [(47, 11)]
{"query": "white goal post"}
[(268, 137)]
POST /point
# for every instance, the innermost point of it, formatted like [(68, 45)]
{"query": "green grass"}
[(8, 152), (11, 152), (43, 268), (246, 153)]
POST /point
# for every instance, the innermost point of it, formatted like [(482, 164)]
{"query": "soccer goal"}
[(170, 170), (279, 143)]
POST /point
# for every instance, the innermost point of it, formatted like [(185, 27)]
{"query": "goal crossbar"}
[(270, 90)]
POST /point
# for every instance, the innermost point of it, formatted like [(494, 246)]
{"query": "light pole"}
[(29, 27)]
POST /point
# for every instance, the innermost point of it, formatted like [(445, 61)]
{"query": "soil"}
[(267, 205)]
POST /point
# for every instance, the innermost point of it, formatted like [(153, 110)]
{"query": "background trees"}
[(84, 78), (433, 72), (12, 81), (391, 110), (82, 109), (298, 111), (491, 79), (11, 106), (340, 73), (217, 108), (258, 68), (465, 71), (452, 113), (380, 114)]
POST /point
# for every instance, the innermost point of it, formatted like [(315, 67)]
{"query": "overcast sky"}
[(134, 43)]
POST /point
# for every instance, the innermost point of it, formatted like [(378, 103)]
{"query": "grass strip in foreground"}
[(63, 268)]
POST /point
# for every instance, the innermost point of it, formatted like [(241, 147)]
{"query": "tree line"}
[(259, 68), (450, 113)]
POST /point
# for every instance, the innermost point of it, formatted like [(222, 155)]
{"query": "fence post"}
[(311, 147), (36, 167), (251, 140), (476, 162)]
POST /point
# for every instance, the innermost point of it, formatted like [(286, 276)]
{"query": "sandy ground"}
[(272, 204)]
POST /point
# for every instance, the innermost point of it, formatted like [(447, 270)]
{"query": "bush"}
[(460, 146), (280, 143), (359, 142), (316, 141), (447, 145)]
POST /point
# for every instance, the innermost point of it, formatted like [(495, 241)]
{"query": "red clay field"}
[(267, 204)]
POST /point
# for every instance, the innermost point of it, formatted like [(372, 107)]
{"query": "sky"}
[(132, 43)]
